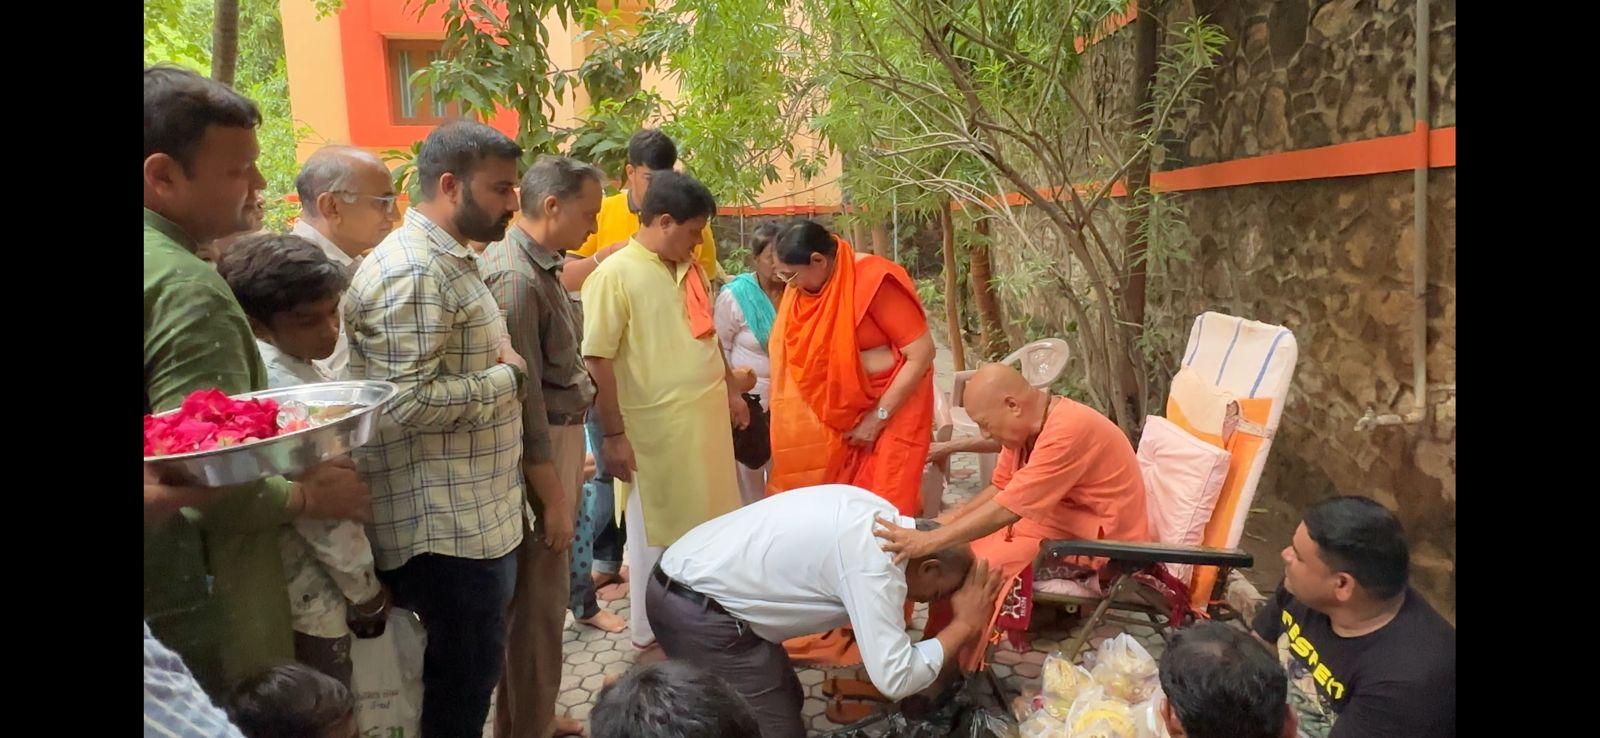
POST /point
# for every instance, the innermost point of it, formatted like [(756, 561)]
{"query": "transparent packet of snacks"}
[(1096, 714), (1147, 719), (1125, 669), (1041, 724), (1061, 681)]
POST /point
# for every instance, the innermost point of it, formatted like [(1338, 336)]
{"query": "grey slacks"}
[(757, 668)]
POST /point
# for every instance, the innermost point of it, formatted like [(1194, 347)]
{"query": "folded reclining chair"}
[(1242, 368)]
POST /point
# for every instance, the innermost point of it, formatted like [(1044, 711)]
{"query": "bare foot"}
[(564, 725), (612, 592), (605, 579), (607, 621)]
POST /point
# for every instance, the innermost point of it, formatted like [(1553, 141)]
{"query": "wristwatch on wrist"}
[(883, 413)]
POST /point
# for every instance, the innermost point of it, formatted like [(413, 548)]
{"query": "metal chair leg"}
[(1076, 644)]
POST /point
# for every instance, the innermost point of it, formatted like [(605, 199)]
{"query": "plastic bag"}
[(1147, 717), (387, 678), (1023, 705), (1061, 682), (982, 723), (952, 714), (1125, 669), (1043, 725), (1097, 714)]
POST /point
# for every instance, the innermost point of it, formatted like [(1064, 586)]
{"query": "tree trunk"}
[(952, 295), (225, 41), (880, 240), (1138, 207), (980, 272)]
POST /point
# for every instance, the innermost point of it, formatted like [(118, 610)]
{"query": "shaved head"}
[(1003, 404), (994, 381)]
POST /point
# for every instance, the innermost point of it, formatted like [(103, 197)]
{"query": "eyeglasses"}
[(785, 277), (387, 202)]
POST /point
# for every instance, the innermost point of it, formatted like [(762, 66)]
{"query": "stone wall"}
[(1330, 259), (1298, 74)]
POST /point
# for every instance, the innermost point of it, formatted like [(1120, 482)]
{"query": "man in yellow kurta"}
[(662, 388), (649, 152)]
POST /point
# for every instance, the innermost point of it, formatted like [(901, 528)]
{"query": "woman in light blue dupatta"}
[(744, 313)]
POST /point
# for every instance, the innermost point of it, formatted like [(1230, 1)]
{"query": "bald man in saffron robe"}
[(1065, 472)]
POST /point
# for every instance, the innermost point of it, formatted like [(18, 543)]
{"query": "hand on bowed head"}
[(906, 543)]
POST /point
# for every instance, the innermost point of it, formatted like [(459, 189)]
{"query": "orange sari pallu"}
[(820, 392)]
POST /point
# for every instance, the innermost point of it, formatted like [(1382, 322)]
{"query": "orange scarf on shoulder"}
[(697, 302), (820, 390)]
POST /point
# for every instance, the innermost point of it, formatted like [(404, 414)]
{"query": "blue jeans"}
[(463, 605), (597, 539)]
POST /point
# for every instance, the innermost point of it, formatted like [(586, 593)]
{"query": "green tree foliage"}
[(927, 102), (497, 57), (930, 102), (179, 32)]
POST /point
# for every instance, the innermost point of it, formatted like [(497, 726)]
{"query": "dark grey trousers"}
[(757, 668)]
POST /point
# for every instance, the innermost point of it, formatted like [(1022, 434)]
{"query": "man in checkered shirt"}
[(446, 466)]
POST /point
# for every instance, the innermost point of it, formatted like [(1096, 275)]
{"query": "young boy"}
[(290, 293)]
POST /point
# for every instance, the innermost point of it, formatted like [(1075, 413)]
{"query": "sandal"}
[(842, 688), (846, 713)]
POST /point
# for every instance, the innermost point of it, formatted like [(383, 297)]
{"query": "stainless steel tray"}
[(290, 453)]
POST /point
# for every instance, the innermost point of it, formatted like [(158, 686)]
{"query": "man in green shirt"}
[(213, 582)]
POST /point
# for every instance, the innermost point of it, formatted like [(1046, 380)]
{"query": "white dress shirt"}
[(805, 562), (334, 365), (284, 370)]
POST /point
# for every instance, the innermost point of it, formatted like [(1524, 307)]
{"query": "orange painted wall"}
[(316, 75), (338, 86)]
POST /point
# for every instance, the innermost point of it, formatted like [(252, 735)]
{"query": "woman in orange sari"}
[(852, 384)]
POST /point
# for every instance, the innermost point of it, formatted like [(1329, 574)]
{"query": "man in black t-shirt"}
[(1365, 654)]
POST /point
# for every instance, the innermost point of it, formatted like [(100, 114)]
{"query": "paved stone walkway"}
[(591, 656)]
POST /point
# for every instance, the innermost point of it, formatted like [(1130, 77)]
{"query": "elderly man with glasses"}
[(347, 206)]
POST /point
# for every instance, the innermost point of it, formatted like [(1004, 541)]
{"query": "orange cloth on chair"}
[(820, 392), (697, 303), (1243, 446), (1080, 480)]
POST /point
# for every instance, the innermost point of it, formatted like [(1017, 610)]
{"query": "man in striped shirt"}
[(446, 465), (174, 704)]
